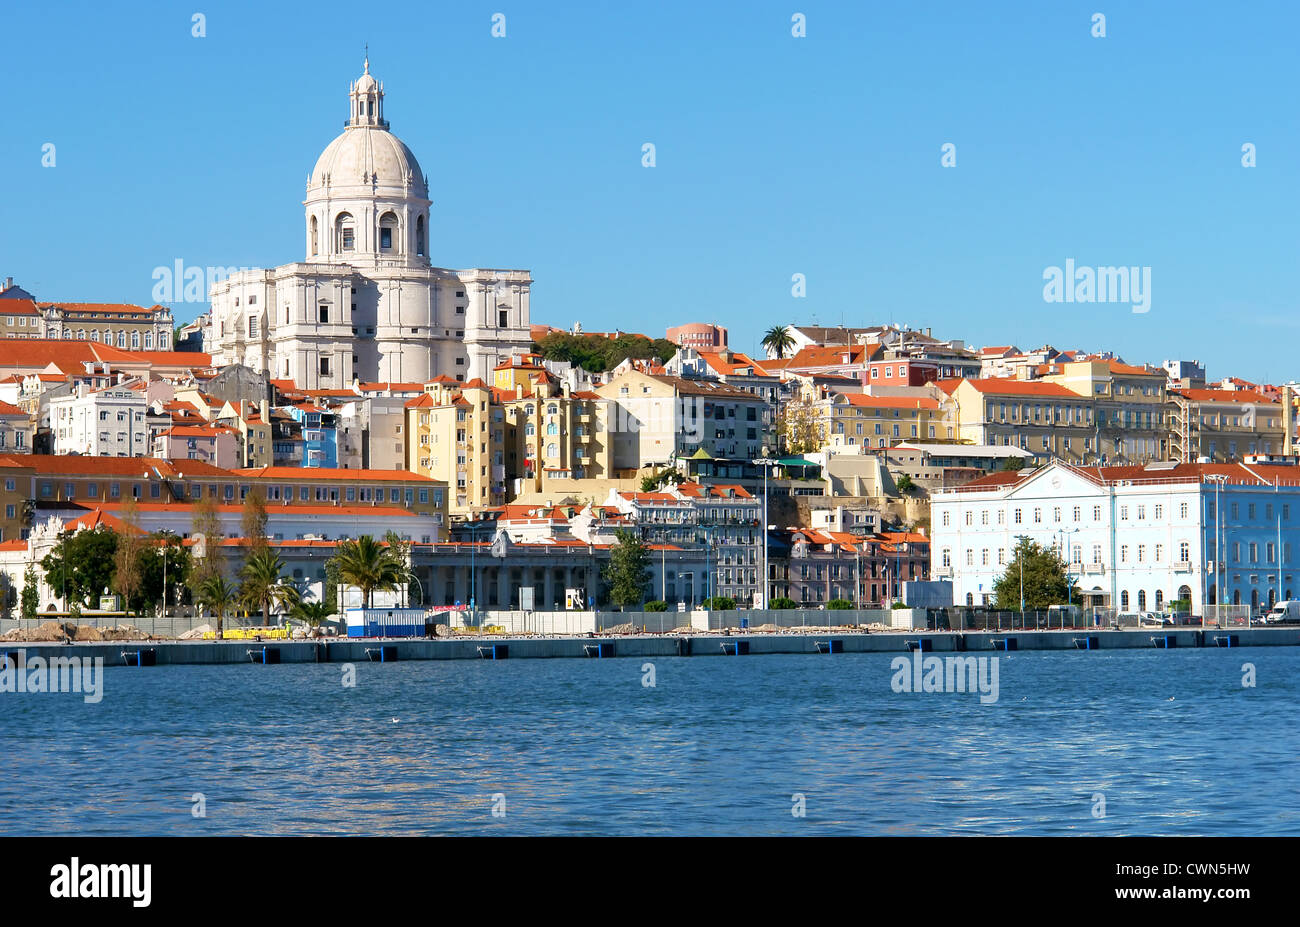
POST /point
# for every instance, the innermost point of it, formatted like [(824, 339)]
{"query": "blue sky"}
[(775, 156)]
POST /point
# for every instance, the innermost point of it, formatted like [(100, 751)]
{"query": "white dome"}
[(368, 155)]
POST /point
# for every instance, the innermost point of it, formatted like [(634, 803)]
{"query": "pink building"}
[(698, 335), (213, 444)]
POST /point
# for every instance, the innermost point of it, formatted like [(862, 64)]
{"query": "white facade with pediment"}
[(1133, 547), (366, 303)]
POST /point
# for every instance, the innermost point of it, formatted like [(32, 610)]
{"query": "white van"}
[(1284, 612)]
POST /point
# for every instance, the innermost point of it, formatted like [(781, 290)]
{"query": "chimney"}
[(9, 281), (265, 408)]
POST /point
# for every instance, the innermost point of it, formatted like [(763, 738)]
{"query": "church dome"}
[(367, 154), (370, 156)]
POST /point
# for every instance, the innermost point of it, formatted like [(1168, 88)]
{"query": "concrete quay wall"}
[(163, 653)]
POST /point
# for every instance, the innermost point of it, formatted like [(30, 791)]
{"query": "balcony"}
[(1183, 566), (1094, 569)]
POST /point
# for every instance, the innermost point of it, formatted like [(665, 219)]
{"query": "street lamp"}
[(1061, 534), (474, 527), (765, 463), (1218, 479)]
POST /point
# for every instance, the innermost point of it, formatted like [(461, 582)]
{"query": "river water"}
[(1097, 743)]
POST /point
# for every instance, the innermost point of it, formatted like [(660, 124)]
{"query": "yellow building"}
[(456, 434)]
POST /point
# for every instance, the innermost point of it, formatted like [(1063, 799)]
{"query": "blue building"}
[(320, 447)]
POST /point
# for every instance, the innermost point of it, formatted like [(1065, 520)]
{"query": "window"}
[(324, 315), (325, 366)]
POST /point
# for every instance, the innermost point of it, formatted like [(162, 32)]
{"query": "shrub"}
[(899, 605), (655, 607), (782, 602), (839, 604), (720, 603)]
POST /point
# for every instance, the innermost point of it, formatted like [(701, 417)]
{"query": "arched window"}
[(94, 335), (552, 409), (1123, 601), (81, 334), (1142, 600), (387, 232), (552, 429), (345, 232), (970, 598), (419, 236), (314, 242), (121, 336), (1254, 598), (552, 450), (528, 409), (1160, 600), (530, 429), (135, 341)]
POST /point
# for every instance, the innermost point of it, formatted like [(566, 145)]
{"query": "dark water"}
[(1172, 741)]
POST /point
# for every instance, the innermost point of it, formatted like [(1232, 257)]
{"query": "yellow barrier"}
[(248, 634)]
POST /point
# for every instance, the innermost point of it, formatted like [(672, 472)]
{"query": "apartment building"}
[(1129, 407), (16, 430), (659, 419), (105, 422), (724, 519), (1223, 425), (456, 434), (1043, 418), (211, 443)]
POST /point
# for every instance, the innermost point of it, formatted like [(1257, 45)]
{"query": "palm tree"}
[(217, 594), (312, 613), (778, 340), (263, 586), (368, 565)]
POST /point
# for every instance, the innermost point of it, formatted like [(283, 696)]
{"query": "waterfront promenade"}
[(822, 642)]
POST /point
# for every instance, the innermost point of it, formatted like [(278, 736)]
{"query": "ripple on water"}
[(717, 747)]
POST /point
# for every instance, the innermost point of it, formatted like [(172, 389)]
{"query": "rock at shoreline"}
[(195, 634)]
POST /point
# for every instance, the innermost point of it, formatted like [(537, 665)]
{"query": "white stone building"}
[(1137, 537), (366, 303), (105, 422)]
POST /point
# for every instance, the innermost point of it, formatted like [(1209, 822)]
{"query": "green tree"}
[(312, 613), (779, 340), (839, 604), (720, 603), (1013, 463), (81, 563), (401, 548), (904, 484), (1045, 578), (262, 585), (799, 427), (368, 565), (628, 570), (218, 596), (782, 602), (30, 599), (163, 548)]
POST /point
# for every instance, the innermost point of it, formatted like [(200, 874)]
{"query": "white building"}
[(1137, 537), (105, 422), (366, 303)]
